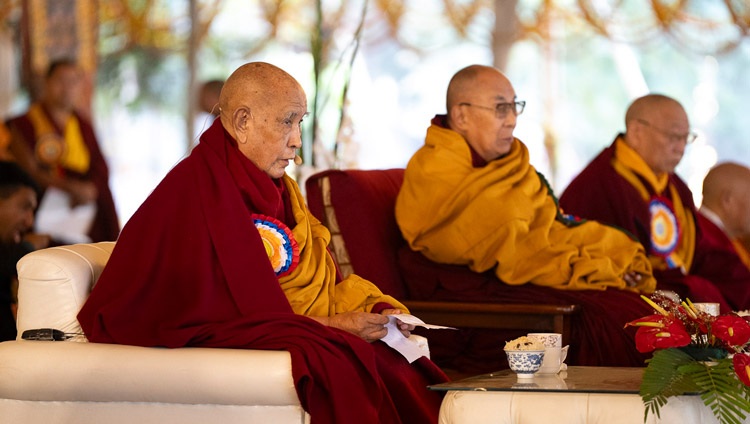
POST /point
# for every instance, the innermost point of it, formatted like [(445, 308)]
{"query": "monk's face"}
[(274, 132), (661, 137), (488, 130), (17, 215), (62, 89)]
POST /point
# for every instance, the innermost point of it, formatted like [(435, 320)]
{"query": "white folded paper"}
[(63, 223), (408, 348)]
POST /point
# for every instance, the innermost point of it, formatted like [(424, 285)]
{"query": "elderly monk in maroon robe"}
[(632, 184), (224, 253), (725, 211), (58, 147)]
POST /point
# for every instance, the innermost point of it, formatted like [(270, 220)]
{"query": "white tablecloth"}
[(496, 407)]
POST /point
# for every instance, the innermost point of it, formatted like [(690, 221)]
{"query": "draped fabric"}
[(312, 285), (597, 335), (82, 160), (190, 269), (503, 216), (604, 192)]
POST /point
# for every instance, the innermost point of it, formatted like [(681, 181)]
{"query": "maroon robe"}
[(600, 193), (190, 269), (106, 226)]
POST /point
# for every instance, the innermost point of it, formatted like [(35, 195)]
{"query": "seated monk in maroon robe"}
[(725, 211), (632, 184), (59, 148), (224, 253)]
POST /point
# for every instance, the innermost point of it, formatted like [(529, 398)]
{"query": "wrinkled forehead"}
[(288, 101)]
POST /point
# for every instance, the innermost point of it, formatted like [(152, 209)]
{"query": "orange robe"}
[(503, 216)]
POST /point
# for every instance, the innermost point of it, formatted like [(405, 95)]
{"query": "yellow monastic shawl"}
[(4, 143), (74, 155), (311, 287), (742, 252), (629, 164), (503, 216)]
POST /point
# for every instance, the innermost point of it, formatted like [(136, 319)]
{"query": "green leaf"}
[(672, 372), (662, 379)]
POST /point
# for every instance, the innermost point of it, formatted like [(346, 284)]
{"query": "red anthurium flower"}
[(731, 329), (659, 332), (741, 363)]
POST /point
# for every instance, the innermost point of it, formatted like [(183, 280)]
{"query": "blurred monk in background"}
[(632, 184), (58, 147)]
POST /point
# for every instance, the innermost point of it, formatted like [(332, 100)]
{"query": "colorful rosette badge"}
[(665, 231), (281, 247)]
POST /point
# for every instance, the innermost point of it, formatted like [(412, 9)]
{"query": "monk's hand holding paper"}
[(405, 328), (368, 326)]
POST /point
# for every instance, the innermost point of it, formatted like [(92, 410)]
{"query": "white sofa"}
[(74, 381)]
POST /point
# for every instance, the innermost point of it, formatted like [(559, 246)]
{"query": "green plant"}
[(695, 354)]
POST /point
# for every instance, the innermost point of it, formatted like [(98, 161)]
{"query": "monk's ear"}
[(727, 198), (241, 123), (636, 136), (458, 118)]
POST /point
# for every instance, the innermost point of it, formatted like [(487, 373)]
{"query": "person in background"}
[(18, 200), (59, 149), (471, 198), (207, 103), (725, 212), (224, 253), (208, 96), (632, 184)]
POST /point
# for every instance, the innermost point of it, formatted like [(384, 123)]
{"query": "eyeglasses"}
[(673, 137), (502, 109)]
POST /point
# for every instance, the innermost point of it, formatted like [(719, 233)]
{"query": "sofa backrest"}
[(54, 283), (357, 206)]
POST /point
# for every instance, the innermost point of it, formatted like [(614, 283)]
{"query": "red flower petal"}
[(741, 362), (732, 329)]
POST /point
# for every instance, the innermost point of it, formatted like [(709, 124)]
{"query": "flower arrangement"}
[(694, 353)]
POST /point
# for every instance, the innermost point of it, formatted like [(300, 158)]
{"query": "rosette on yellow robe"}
[(504, 216)]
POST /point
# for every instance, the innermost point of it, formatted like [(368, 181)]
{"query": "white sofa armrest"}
[(94, 372), (54, 284)]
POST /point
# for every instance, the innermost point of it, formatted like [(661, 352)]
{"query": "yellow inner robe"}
[(503, 216), (311, 287), (74, 153)]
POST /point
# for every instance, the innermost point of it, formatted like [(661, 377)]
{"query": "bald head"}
[(650, 106), (467, 83), (481, 108), (657, 128), (262, 107), (726, 191), (255, 85), (724, 178)]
